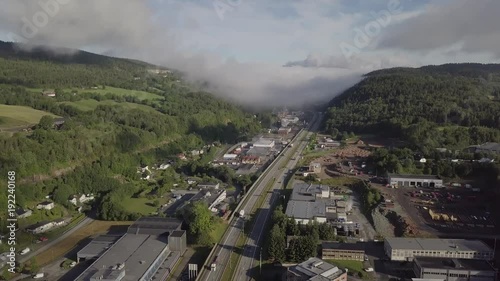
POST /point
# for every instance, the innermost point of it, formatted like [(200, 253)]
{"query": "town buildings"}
[(312, 202), (315, 269), (405, 249), (429, 181), (448, 269), (343, 251)]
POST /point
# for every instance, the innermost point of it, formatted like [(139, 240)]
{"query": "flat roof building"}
[(97, 247), (315, 269), (453, 269), (343, 251), (139, 253), (405, 249), (430, 181), (262, 142)]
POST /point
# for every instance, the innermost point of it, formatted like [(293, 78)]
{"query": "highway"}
[(223, 250), (252, 250)]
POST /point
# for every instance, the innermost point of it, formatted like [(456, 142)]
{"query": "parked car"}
[(43, 239)]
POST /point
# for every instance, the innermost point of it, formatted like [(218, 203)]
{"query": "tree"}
[(200, 222), (46, 122), (156, 203), (34, 267), (277, 244)]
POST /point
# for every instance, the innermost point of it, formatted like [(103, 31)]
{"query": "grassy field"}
[(72, 241), (90, 104), (124, 92), (12, 116), (141, 205), (352, 266)]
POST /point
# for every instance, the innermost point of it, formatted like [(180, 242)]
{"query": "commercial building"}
[(149, 243), (258, 151), (262, 142), (405, 249), (284, 131), (453, 269), (315, 269), (343, 251), (96, 247), (415, 181), (310, 202)]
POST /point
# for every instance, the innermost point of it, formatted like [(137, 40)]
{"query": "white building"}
[(415, 181), (262, 142), (405, 249), (230, 156), (47, 205), (453, 269)]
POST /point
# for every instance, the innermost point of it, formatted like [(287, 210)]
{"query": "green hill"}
[(12, 116), (453, 105)]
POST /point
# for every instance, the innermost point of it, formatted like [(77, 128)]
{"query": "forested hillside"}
[(449, 106), (118, 115)]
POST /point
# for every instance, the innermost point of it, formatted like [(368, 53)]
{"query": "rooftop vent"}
[(316, 264)]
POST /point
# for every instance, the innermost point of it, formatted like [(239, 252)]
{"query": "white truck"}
[(25, 251), (38, 275), (242, 213)]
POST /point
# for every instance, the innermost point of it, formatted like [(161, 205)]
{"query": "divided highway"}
[(252, 250), (223, 250)]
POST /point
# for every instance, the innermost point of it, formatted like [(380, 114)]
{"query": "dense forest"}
[(451, 106), (98, 151)]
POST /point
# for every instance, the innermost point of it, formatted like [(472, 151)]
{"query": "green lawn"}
[(90, 104), (124, 92), (352, 266), (141, 205), (219, 231), (12, 116)]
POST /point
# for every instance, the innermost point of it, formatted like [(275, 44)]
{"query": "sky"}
[(261, 52)]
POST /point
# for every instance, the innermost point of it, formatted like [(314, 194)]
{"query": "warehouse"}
[(453, 269), (415, 181), (262, 142), (405, 249), (139, 254), (343, 251)]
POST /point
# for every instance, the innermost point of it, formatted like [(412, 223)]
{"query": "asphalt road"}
[(252, 250), (224, 249)]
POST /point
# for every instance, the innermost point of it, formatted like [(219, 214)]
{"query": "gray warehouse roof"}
[(343, 246), (447, 263), (97, 246), (420, 177), (306, 209), (306, 192), (438, 244), (138, 252), (154, 225)]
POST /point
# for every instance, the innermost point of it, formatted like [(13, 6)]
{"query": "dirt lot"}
[(71, 242)]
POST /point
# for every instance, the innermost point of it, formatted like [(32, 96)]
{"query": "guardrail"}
[(238, 207)]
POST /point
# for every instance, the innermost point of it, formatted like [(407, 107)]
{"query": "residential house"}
[(60, 222), (40, 227), (49, 93), (21, 213), (163, 166), (75, 199), (196, 152), (209, 185), (47, 205), (190, 181), (181, 156)]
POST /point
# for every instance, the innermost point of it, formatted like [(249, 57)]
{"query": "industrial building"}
[(415, 181), (150, 243), (262, 142), (343, 251), (405, 249), (315, 269), (453, 269), (96, 247), (310, 202), (489, 147)]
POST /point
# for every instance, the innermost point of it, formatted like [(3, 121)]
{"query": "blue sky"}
[(326, 45)]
